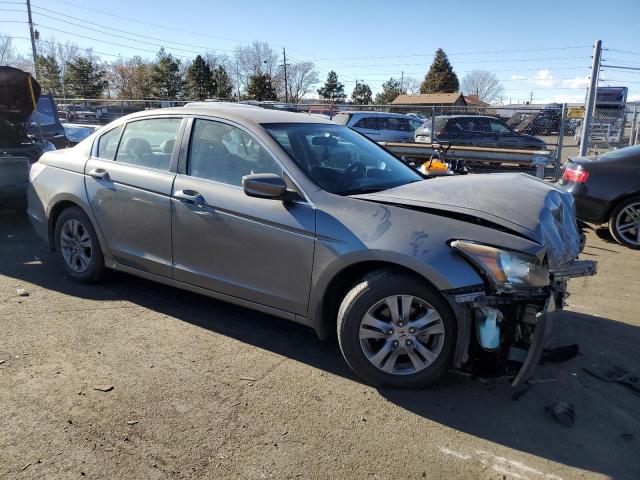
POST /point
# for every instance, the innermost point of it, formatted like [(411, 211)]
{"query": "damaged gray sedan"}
[(304, 219)]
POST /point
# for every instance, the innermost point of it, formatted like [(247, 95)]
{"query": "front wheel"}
[(396, 331), (624, 223)]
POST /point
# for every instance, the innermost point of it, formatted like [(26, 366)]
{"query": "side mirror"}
[(264, 185)]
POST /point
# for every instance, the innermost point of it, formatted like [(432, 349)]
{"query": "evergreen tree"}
[(390, 90), (84, 79), (222, 87), (199, 83), (361, 94), (261, 87), (166, 80), (49, 76), (440, 78), (332, 90)]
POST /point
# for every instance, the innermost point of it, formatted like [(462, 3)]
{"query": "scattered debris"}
[(133, 422), (25, 467), (22, 292), (248, 379), (103, 388), (2, 361), (537, 381), (563, 412), (617, 375), (515, 396), (560, 354)]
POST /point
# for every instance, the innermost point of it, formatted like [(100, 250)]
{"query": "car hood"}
[(16, 100), (518, 203)]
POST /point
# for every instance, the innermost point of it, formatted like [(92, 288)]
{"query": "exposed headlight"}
[(504, 268)]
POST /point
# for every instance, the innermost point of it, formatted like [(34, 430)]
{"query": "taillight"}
[(575, 175)]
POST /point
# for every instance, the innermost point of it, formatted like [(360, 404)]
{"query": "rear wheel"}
[(77, 246), (624, 223), (394, 330)]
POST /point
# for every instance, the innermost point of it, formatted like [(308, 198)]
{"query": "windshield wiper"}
[(362, 190)]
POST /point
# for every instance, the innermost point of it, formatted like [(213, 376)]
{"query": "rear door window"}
[(108, 144), (370, 123), (149, 143)]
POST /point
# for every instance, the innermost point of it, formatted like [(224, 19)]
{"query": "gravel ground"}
[(202, 389)]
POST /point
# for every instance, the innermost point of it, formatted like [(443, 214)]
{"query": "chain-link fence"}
[(482, 138)]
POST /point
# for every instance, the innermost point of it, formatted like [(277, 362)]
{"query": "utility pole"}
[(591, 99), (33, 40), (238, 79), (530, 98), (286, 86), (402, 81)]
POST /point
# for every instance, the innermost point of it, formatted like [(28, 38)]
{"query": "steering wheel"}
[(349, 172)]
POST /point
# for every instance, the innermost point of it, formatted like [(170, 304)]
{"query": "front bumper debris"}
[(525, 323)]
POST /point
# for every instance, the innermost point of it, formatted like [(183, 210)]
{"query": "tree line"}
[(251, 72)]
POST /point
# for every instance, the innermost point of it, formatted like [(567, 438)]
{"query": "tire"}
[(367, 357), (623, 215), (78, 250)]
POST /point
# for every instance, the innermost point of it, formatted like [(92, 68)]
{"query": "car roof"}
[(467, 116), (372, 114), (245, 114)]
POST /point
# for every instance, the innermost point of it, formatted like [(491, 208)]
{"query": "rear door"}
[(128, 180), (255, 249), (369, 126)]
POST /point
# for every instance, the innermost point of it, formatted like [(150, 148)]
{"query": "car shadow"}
[(604, 438)]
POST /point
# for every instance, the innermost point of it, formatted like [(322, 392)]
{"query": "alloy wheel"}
[(402, 334), (627, 224), (75, 245)]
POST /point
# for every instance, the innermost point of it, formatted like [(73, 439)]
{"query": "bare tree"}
[(255, 59), (410, 85), (484, 84), (9, 55), (301, 77), (130, 79)]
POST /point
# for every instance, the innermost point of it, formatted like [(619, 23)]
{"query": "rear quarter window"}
[(108, 144)]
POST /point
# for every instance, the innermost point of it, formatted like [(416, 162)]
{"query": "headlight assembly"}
[(504, 268)]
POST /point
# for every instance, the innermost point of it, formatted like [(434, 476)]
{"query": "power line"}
[(119, 30), (116, 35), (628, 52), (458, 53), (165, 27)]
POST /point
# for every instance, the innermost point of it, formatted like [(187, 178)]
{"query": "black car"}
[(607, 190), (18, 93), (476, 131), (44, 122)]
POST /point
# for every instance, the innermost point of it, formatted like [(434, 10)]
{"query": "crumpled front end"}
[(509, 319)]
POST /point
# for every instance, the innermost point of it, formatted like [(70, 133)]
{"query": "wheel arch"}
[(324, 309), (615, 203), (59, 205)]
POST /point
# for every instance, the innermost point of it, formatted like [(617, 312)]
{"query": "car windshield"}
[(340, 160), (45, 114)]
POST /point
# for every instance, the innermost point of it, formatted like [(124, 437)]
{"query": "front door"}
[(129, 183), (255, 249)]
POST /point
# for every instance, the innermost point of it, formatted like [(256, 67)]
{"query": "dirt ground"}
[(203, 389)]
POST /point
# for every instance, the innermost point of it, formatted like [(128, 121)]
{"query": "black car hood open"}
[(516, 202), (16, 102)]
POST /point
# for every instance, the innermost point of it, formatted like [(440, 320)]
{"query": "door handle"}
[(190, 196), (99, 173)]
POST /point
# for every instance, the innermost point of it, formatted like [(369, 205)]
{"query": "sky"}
[(539, 50)]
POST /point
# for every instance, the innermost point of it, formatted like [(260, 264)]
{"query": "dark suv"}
[(476, 131)]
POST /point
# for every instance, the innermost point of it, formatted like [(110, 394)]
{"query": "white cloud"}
[(634, 97), (577, 82), (518, 77), (544, 78), (563, 98)]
